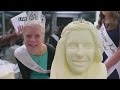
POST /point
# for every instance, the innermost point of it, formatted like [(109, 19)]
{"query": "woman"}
[(78, 56), (6, 39), (53, 39), (108, 25), (34, 58)]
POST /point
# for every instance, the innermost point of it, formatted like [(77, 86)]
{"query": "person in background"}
[(47, 33), (109, 27), (9, 67), (6, 39), (34, 57), (60, 27), (53, 39)]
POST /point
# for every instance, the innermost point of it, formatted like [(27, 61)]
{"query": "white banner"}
[(109, 48), (23, 56), (19, 20)]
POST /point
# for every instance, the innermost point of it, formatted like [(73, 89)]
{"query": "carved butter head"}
[(79, 50)]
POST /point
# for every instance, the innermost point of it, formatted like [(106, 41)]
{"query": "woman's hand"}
[(20, 30)]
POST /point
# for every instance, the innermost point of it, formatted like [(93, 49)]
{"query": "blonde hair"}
[(35, 23)]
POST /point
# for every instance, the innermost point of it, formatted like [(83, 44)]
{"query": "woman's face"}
[(106, 12), (79, 50), (33, 38)]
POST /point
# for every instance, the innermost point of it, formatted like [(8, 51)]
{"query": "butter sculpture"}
[(79, 53), (6, 70)]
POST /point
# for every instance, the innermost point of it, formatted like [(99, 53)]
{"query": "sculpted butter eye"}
[(72, 46), (88, 45)]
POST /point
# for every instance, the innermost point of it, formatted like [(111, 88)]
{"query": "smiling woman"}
[(79, 53), (34, 51)]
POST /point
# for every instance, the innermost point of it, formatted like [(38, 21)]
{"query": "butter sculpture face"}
[(79, 51)]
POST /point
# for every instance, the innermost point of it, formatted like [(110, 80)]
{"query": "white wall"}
[(97, 15)]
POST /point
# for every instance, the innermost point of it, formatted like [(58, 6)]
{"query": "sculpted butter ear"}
[(79, 53)]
